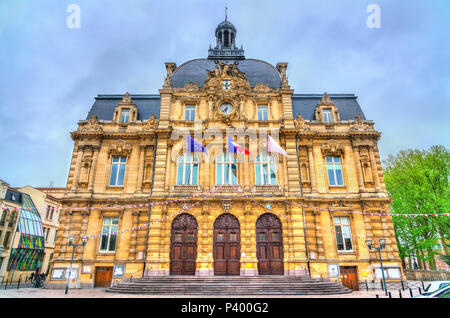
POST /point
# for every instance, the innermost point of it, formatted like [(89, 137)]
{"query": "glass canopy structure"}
[(28, 253)]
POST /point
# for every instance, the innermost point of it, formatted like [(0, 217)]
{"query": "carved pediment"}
[(152, 123), (92, 125), (325, 101), (301, 124), (359, 124), (126, 100), (238, 79), (261, 88), (332, 147), (120, 147), (339, 204), (191, 87)]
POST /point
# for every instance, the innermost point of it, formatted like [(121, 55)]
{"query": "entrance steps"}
[(230, 285)]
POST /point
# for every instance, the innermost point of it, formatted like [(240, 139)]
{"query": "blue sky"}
[(50, 74)]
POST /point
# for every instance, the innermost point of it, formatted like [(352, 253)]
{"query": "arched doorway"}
[(183, 245), (269, 245), (227, 245)]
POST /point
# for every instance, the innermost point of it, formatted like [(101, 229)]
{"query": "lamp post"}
[(381, 245), (83, 243)]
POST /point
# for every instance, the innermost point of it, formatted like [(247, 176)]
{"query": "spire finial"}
[(226, 11)]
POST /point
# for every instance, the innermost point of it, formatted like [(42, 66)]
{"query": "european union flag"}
[(194, 146)]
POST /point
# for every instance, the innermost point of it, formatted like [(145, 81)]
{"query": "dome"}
[(225, 25), (257, 71)]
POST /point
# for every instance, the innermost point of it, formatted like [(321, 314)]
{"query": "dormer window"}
[(326, 111), (126, 111), (327, 116), (125, 116)]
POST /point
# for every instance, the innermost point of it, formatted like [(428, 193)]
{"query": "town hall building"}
[(148, 202)]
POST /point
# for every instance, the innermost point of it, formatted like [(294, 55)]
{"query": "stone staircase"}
[(229, 285)]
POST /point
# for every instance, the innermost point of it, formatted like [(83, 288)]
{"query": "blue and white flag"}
[(194, 146)]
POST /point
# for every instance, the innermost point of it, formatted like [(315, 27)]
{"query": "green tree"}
[(418, 182)]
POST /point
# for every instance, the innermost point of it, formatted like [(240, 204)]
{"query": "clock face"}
[(226, 108)]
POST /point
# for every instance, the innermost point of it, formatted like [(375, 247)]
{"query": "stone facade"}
[(152, 151)]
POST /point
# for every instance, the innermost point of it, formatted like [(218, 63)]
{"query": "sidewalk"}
[(101, 293)]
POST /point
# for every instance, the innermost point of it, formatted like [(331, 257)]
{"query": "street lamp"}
[(381, 245), (83, 243)]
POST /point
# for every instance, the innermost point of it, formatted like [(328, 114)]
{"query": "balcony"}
[(226, 188), (186, 188), (266, 188)]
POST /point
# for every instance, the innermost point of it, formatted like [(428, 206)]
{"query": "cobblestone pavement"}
[(101, 293)]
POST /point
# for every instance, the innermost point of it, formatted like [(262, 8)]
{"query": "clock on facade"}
[(226, 108)]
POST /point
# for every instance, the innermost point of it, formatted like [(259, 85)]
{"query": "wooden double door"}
[(349, 277), (269, 245), (227, 245), (183, 246), (103, 276)]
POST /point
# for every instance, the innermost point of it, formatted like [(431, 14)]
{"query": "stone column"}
[(141, 168), (76, 174), (312, 170), (374, 169), (358, 168), (93, 169)]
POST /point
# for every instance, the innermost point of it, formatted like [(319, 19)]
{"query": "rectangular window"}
[(190, 113), (334, 168), (11, 219), (3, 218), (6, 240), (46, 231), (56, 234), (125, 116), (327, 116), (109, 234), (343, 233), (48, 212), (263, 112), (118, 171)]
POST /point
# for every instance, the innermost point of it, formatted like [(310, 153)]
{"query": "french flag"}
[(236, 148)]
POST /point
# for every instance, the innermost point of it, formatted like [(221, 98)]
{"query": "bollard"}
[(18, 283), (411, 293), (390, 295), (367, 286), (400, 293), (403, 286), (378, 296)]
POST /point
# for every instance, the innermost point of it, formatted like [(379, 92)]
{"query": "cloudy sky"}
[(50, 74)]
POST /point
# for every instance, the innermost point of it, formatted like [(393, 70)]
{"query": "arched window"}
[(226, 169), (187, 169), (265, 169)]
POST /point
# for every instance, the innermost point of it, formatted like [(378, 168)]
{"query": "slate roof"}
[(13, 196), (257, 71), (146, 104), (305, 104), (20, 198)]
